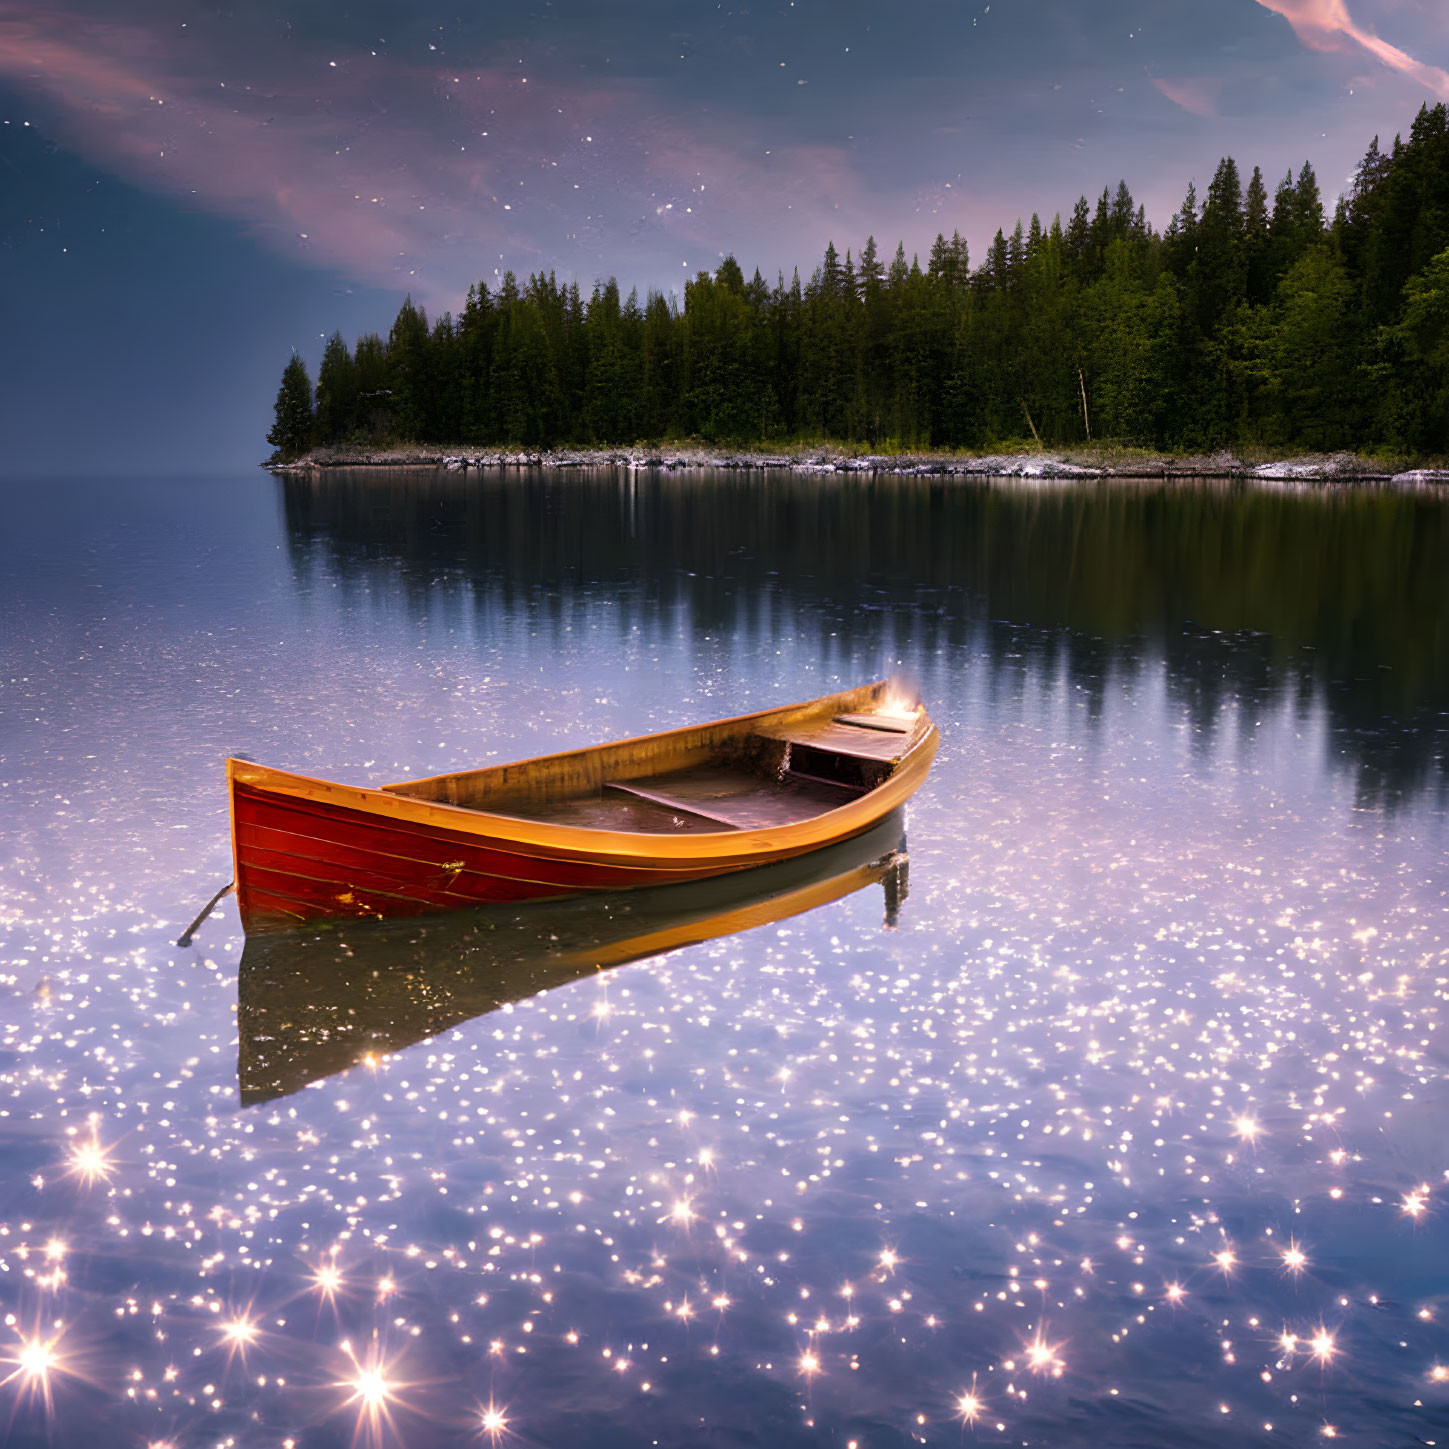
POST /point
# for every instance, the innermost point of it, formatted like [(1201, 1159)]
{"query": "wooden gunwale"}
[(641, 754), (708, 850)]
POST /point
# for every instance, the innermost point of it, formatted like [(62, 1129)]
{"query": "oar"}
[(184, 939)]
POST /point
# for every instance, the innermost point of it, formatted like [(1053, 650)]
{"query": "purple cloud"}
[(423, 177)]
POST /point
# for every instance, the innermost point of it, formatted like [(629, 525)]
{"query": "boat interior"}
[(749, 776)]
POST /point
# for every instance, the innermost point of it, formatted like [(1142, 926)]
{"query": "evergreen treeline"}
[(1249, 320)]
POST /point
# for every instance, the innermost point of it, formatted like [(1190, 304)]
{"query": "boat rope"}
[(184, 939)]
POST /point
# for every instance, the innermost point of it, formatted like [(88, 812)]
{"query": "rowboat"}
[(683, 805), (314, 1002)]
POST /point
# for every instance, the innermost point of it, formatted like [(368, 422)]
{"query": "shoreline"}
[(1320, 468)]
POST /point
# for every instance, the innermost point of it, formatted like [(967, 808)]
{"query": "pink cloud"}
[(1200, 97), (268, 158), (420, 178), (1326, 24)]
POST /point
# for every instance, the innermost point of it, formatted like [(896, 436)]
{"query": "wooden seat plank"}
[(738, 798), (843, 739), (669, 802), (895, 724), (622, 812)]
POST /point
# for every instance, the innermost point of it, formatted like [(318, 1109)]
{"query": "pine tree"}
[(942, 263), (573, 365), (444, 412), (476, 329), (1308, 206), (610, 392), (1222, 212), (870, 271), (960, 261), (999, 263), (1101, 234), (899, 270), (1016, 250), (830, 273), (1218, 275), (1079, 234), (1371, 172), (336, 391), (1255, 238), (291, 433), (1122, 212), (408, 371), (659, 367), (1179, 246), (372, 413)]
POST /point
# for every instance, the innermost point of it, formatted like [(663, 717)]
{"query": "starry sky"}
[(188, 193)]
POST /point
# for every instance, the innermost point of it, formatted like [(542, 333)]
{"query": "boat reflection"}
[(312, 1004)]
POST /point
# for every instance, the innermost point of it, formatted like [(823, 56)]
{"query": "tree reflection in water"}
[(1246, 593)]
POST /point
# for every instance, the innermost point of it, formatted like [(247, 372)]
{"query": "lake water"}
[(1132, 1130)]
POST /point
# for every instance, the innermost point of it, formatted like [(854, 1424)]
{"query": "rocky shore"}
[(1320, 468)]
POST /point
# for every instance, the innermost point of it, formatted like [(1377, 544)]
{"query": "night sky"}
[(187, 193)]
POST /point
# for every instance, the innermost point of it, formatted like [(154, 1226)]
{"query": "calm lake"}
[(1131, 1130)]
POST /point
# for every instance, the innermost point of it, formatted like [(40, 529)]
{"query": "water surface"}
[(1129, 1131)]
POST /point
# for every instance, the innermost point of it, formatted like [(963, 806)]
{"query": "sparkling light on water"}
[(91, 1162), (1133, 1126), (37, 1362)]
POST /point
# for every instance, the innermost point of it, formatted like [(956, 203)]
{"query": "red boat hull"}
[(300, 860)]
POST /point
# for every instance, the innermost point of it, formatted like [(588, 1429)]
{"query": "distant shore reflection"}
[(1246, 593)]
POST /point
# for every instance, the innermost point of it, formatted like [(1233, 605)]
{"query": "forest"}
[(1249, 321)]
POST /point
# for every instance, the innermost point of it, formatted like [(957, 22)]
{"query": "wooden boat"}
[(679, 806), (311, 1003)]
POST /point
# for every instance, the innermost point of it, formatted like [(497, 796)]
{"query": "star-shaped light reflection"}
[(1295, 1260), (1041, 1356), (90, 1161), (327, 1279), (374, 1391), (37, 1360), (969, 1405)]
